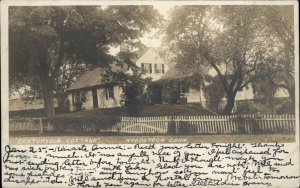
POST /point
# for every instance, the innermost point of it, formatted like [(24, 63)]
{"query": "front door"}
[(95, 98)]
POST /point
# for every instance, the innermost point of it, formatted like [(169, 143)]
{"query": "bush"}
[(255, 127), (286, 107), (172, 127), (82, 123), (240, 121), (170, 93), (185, 128)]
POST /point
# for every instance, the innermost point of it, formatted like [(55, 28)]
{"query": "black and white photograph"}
[(149, 94), (209, 73)]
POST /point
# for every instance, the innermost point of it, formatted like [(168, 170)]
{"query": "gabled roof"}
[(177, 72), (151, 56), (93, 77), (174, 73), (88, 79)]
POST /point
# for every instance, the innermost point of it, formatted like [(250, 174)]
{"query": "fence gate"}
[(143, 125)]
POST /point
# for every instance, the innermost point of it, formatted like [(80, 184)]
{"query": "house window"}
[(159, 68), (109, 92), (147, 68), (78, 97)]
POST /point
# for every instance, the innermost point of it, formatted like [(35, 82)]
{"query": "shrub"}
[(170, 93), (254, 126), (185, 128), (172, 127), (83, 123), (240, 121)]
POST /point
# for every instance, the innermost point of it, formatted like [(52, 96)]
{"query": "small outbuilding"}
[(90, 91)]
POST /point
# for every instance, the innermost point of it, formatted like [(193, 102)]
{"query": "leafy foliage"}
[(213, 92), (231, 40), (74, 123), (136, 91), (170, 92), (279, 70), (43, 39)]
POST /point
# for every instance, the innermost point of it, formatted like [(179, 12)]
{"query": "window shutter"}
[(142, 66), (163, 68), (106, 92), (112, 95), (150, 68), (73, 98)]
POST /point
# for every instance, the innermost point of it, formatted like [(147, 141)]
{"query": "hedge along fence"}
[(26, 124), (181, 125), (81, 124), (64, 124), (233, 124)]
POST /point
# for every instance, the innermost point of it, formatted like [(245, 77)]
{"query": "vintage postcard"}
[(150, 93)]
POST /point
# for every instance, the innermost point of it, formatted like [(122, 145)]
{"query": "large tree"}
[(43, 39), (227, 39), (280, 70)]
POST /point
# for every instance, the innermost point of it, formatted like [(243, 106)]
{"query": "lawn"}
[(146, 111)]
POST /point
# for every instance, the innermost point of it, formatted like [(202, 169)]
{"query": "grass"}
[(146, 111)]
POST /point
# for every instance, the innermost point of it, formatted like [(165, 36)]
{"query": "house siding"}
[(112, 102), (152, 57), (102, 101), (70, 99), (281, 93), (88, 104), (193, 96), (245, 94)]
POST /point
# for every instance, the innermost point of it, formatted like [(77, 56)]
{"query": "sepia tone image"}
[(206, 73)]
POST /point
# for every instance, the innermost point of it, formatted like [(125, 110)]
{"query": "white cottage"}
[(89, 92), (152, 64)]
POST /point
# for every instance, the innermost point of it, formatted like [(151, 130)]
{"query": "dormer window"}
[(147, 68)]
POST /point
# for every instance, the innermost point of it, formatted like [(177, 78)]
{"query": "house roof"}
[(93, 77), (88, 79), (177, 72), (151, 56), (174, 73)]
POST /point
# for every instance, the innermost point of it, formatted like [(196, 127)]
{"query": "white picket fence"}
[(177, 125), (207, 124)]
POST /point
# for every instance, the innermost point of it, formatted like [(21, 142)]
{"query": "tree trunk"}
[(229, 104), (61, 99), (292, 95), (49, 104)]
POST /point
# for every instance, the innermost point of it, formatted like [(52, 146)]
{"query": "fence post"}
[(41, 131)]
